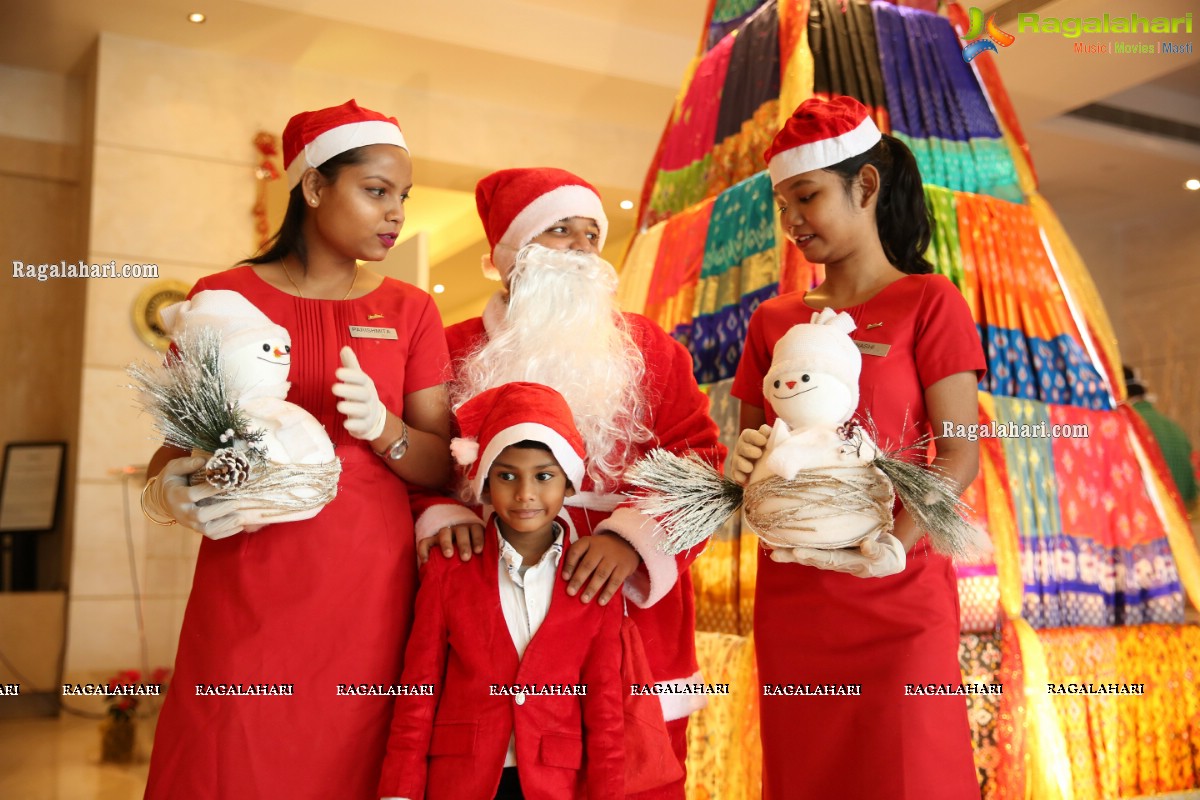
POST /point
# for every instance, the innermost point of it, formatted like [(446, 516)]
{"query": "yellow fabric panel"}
[(638, 269), (1049, 774), (724, 749), (1001, 525)]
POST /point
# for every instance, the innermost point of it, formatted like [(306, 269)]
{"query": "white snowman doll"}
[(292, 472), (816, 487), (822, 493)]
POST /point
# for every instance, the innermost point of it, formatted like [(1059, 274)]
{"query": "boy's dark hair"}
[(901, 215), (288, 239)]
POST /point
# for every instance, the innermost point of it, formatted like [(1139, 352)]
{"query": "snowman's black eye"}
[(266, 348), (804, 378), (776, 384), (287, 348)]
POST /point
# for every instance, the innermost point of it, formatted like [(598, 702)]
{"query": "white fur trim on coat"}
[(677, 706), (642, 532), (443, 515)]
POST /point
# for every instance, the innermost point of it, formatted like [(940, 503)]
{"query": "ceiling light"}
[(196, 17), (1192, 184), (438, 288), (626, 204)]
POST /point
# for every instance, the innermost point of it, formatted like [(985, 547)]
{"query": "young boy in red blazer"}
[(526, 697)]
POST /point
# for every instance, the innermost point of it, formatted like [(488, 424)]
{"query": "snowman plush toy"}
[(221, 394), (822, 493)]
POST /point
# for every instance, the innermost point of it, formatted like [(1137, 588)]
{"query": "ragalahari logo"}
[(994, 37)]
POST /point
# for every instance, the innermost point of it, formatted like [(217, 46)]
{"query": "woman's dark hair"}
[(288, 239), (903, 219)]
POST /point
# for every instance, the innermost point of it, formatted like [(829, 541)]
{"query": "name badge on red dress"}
[(873, 348), (364, 332)]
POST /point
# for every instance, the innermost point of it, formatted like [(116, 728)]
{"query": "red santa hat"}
[(313, 137), (515, 205), (821, 345), (819, 134), (510, 413)]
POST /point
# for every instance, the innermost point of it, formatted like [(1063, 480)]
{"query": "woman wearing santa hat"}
[(291, 629), (851, 199), (630, 386)]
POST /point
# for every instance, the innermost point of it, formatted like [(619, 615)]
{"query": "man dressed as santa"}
[(630, 387)]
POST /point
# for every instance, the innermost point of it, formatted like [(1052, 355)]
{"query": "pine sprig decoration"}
[(932, 500), (189, 398), (689, 498)]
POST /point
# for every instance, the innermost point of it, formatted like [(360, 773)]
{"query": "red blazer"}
[(451, 746)]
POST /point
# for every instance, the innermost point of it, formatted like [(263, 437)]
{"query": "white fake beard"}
[(563, 329)]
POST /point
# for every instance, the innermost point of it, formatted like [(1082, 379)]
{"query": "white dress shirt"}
[(525, 593)]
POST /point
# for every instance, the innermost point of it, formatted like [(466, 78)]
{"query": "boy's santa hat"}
[(819, 134), (821, 345), (313, 137), (510, 413), (515, 205), (239, 321)]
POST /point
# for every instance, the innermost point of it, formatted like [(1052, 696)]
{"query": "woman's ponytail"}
[(903, 220)]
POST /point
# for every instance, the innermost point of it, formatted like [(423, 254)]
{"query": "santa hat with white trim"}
[(516, 205), (511, 413), (819, 134), (313, 137)]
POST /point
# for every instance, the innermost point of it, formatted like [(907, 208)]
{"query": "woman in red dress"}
[(852, 200), (321, 606)]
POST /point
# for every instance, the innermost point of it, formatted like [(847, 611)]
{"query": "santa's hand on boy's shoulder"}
[(602, 561), (466, 539), (748, 450)]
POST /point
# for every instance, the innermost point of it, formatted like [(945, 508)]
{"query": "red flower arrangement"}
[(126, 690)]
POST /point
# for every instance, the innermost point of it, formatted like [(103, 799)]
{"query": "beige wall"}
[(1148, 274), (41, 331)]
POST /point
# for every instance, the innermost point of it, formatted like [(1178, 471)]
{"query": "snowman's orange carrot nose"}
[(279, 353), (791, 384)]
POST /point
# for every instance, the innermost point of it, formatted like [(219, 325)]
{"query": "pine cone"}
[(227, 469)]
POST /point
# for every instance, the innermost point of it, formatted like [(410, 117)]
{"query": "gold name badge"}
[(873, 348), (364, 332)]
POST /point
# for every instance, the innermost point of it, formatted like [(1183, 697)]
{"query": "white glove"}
[(365, 413), (747, 451), (874, 558), (169, 494)]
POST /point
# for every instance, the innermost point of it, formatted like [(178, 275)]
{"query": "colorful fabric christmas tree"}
[(1093, 552)]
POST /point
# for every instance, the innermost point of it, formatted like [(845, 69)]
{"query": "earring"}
[(312, 201)]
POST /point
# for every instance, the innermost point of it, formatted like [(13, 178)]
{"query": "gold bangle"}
[(146, 513)]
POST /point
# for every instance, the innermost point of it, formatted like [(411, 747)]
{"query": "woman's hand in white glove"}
[(747, 452), (874, 558), (170, 494), (364, 411)]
